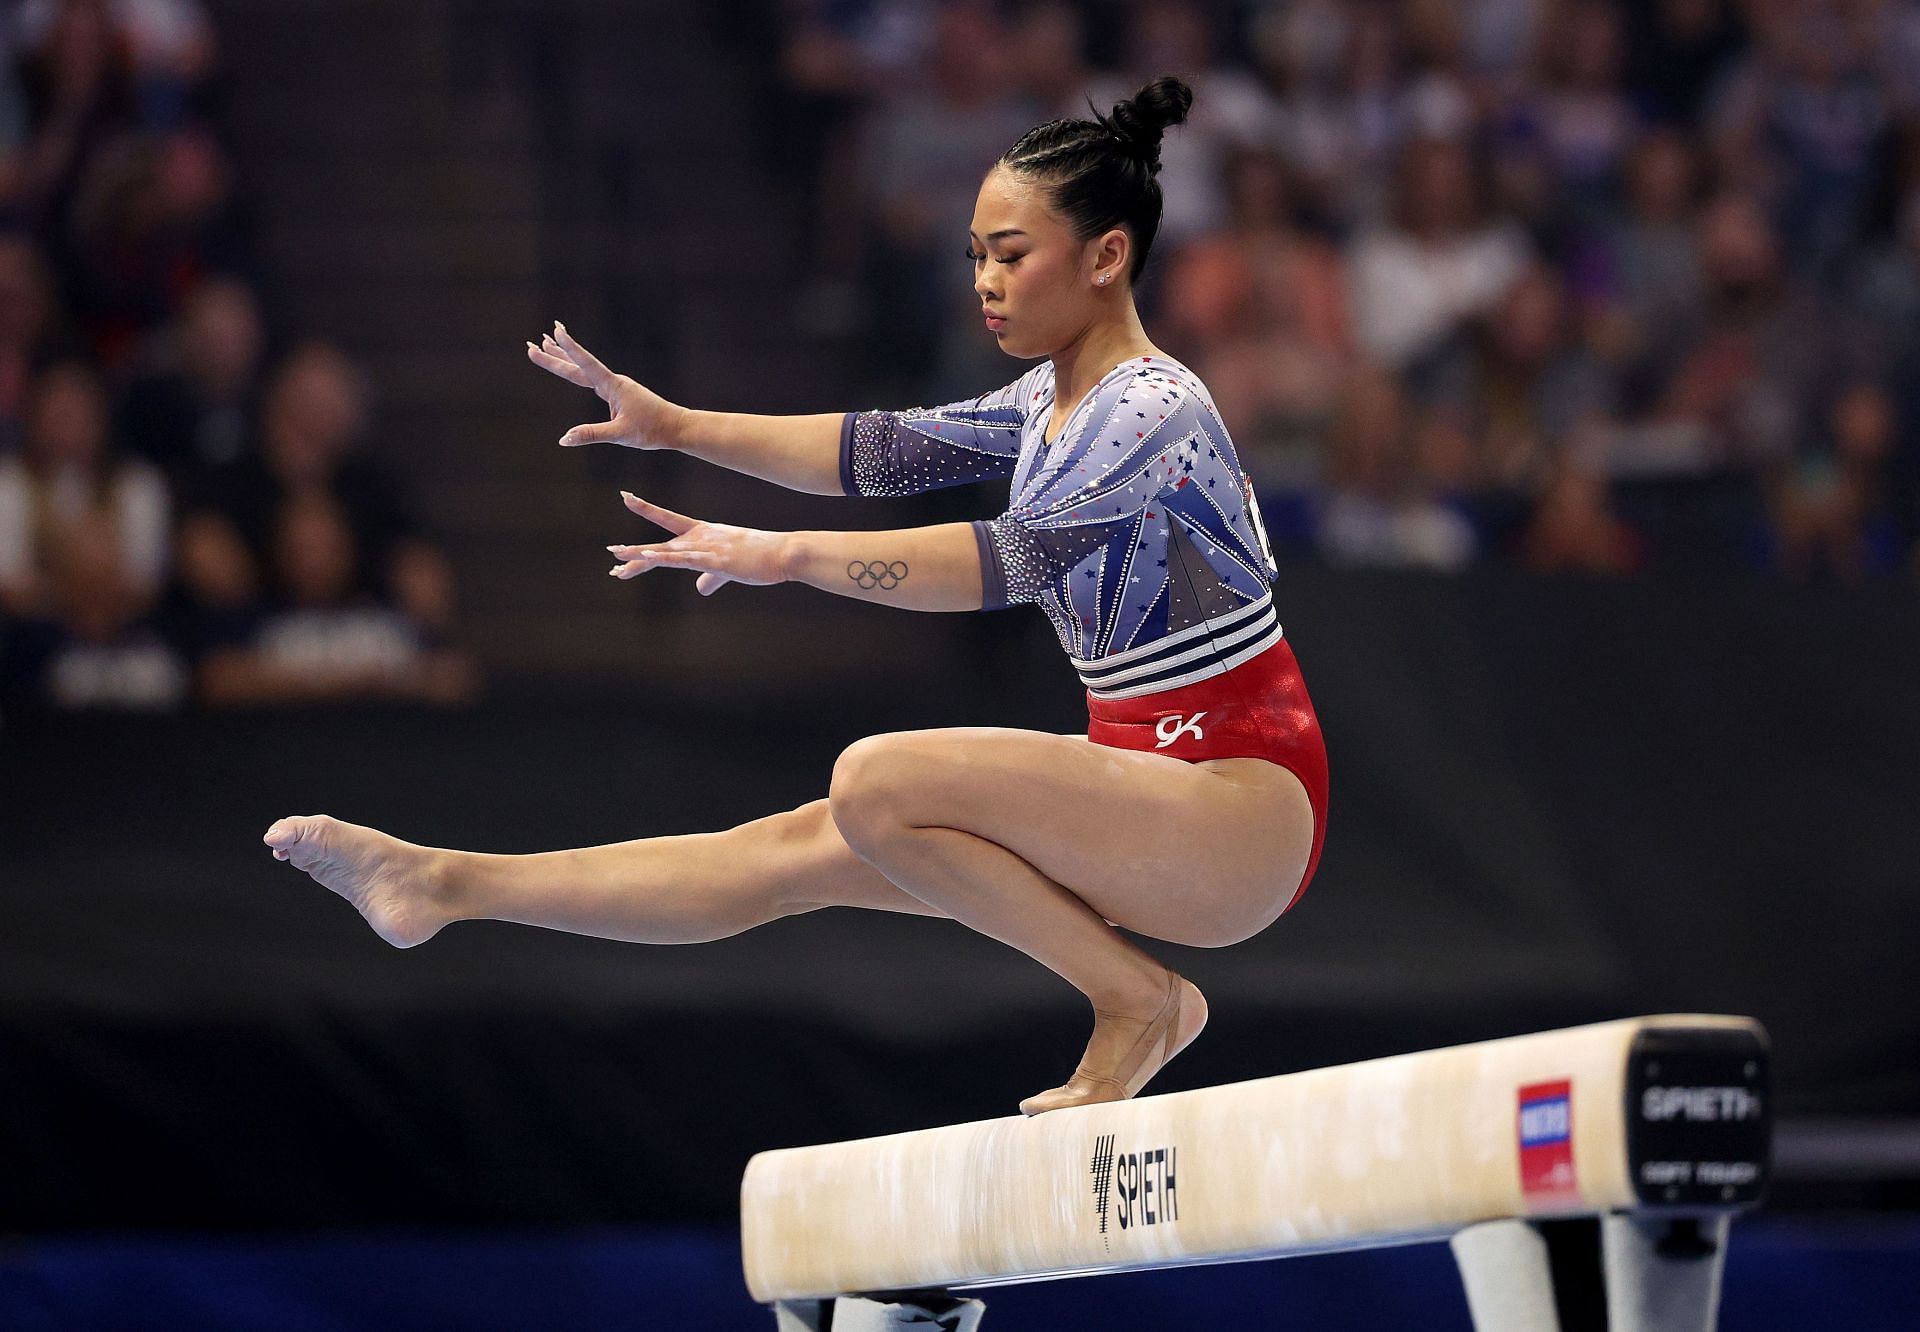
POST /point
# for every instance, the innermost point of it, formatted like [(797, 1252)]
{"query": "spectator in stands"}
[(1558, 142), (1230, 110), (322, 635), (312, 422), (1524, 387), (1752, 355), (1499, 41), (93, 641), (1380, 510), (1884, 299), (1731, 398), (67, 481), (1676, 52), (1578, 111), (1574, 527), (1888, 32), (169, 47), (1260, 310), (1342, 125), (1799, 124), (1439, 264), (193, 411), (1642, 271), (13, 133), (153, 215), (1829, 509), (1048, 47), (1883, 290), (837, 58), (27, 334), (1207, 287), (925, 143), (1439, 100), (79, 87)]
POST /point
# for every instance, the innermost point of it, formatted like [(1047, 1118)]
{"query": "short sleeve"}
[(925, 448), (1071, 515)]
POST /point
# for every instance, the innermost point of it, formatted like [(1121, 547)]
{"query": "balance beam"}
[(1662, 1118)]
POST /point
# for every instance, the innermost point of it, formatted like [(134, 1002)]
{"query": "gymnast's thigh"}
[(1202, 853)]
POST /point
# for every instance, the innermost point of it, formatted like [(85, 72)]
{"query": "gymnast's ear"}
[(1108, 256)]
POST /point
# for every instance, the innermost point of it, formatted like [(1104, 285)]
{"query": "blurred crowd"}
[(188, 511), (1568, 285), (1564, 284)]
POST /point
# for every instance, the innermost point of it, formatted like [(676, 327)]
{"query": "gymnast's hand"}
[(641, 418), (720, 553)]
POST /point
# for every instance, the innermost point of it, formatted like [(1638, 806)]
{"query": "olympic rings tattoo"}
[(877, 573)]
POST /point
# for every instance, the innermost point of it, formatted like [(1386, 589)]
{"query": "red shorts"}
[(1258, 709)]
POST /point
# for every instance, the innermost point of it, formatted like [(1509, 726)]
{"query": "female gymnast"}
[(1193, 808)]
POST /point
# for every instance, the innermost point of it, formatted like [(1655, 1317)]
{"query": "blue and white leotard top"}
[(1135, 530)]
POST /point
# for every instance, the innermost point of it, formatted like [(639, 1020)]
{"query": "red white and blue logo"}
[(1545, 1128)]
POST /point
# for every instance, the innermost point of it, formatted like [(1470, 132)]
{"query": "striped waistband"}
[(1210, 648)]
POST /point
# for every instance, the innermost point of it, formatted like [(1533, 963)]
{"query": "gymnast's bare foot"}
[(394, 884), (1127, 1049)]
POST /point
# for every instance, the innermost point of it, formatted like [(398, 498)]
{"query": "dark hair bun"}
[(1141, 121)]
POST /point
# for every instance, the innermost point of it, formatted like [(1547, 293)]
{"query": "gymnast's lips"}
[(994, 321)]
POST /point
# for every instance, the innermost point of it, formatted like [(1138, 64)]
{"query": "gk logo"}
[(1172, 728)]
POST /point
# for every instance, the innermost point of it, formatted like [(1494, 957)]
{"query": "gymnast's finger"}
[(554, 349), (643, 559), (594, 432), (557, 365), (682, 557), (657, 550), (583, 358), (653, 513), (637, 560)]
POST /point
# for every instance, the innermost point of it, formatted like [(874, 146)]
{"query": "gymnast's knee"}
[(865, 796)]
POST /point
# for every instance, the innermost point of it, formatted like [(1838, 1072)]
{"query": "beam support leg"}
[(1663, 1272), (802, 1315), (1509, 1281), (922, 1311)]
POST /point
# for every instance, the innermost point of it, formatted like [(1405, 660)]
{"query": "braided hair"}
[(1099, 173)]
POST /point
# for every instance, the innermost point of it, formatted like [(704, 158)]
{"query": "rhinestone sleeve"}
[(1014, 570), (886, 453), (925, 448)]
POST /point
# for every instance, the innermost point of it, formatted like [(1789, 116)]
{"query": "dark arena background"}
[(1573, 347)]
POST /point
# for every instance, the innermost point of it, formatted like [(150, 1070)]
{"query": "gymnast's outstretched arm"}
[(935, 568), (826, 453), (798, 452)]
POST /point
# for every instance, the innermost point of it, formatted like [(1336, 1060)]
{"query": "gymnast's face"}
[(1038, 286)]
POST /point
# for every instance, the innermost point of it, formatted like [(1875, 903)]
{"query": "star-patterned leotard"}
[(1137, 532)]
